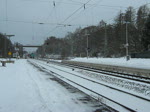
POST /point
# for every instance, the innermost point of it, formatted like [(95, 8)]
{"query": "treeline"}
[(107, 40), (5, 45)]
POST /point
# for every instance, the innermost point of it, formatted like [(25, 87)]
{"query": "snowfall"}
[(24, 88)]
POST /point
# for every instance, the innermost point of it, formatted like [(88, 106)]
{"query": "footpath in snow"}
[(24, 88), (133, 62)]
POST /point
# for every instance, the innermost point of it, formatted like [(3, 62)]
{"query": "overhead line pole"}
[(106, 40), (127, 43), (87, 46)]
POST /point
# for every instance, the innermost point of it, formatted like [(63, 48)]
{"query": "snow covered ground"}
[(24, 88), (130, 101), (133, 62)]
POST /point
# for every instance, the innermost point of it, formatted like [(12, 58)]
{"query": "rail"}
[(76, 83)]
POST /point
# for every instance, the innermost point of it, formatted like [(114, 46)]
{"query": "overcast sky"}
[(23, 16)]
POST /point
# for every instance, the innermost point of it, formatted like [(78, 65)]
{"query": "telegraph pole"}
[(72, 49), (106, 42), (87, 45), (127, 44)]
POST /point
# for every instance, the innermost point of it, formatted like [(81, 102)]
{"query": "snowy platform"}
[(133, 62), (26, 89), (133, 66)]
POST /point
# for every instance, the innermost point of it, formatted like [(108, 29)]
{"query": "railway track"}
[(130, 82), (109, 73), (144, 88), (46, 67)]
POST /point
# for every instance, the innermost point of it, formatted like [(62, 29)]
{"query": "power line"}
[(59, 25), (68, 17), (76, 1), (142, 5), (94, 5), (127, 7), (55, 4), (86, 9), (18, 21), (76, 11)]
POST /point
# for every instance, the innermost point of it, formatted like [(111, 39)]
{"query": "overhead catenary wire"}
[(142, 5), (55, 5), (94, 5), (71, 2), (69, 16), (76, 1), (19, 21), (46, 23), (84, 6), (127, 7), (79, 3), (85, 10), (75, 11)]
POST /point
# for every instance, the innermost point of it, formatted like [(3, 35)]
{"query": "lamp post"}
[(72, 48), (87, 45), (127, 43), (106, 41)]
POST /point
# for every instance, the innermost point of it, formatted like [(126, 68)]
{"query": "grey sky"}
[(24, 15)]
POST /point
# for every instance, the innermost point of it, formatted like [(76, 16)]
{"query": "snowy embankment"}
[(134, 63), (23, 88)]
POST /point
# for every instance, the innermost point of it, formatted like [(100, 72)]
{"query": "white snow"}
[(128, 100), (24, 89), (133, 62)]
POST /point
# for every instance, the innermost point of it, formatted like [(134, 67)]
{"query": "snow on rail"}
[(127, 100)]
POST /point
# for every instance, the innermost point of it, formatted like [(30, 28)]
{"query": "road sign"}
[(9, 53)]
